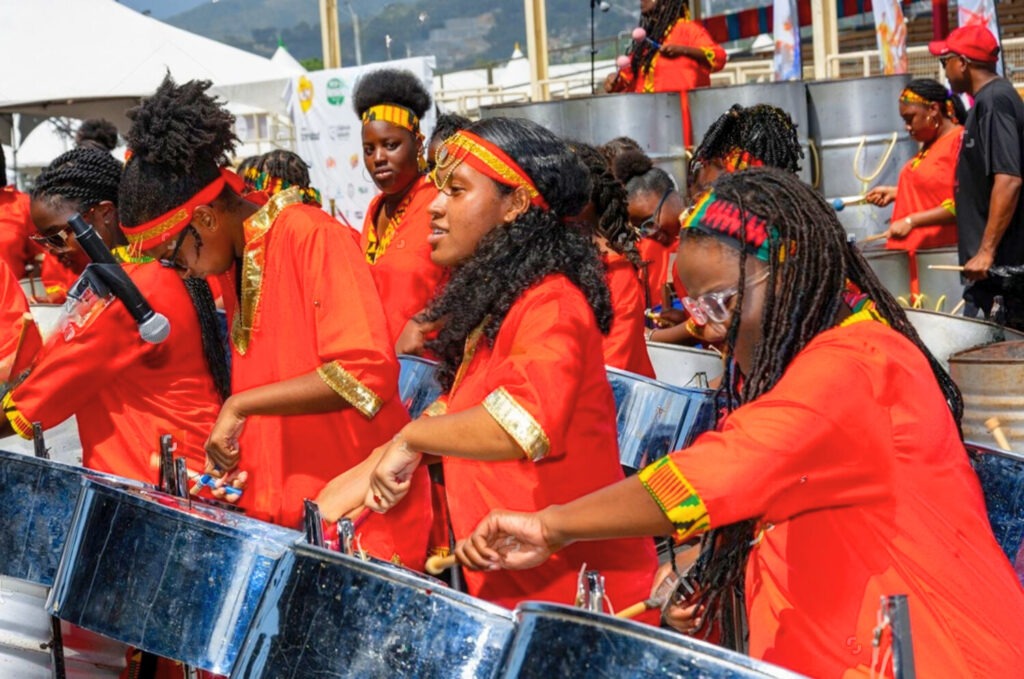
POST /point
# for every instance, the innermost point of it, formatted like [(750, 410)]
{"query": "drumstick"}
[(996, 427), (438, 564), (960, 305), (877, 236), (636, 609), (945, 267)]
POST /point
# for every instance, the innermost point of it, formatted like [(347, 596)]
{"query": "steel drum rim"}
[(964, 357), (683, 349), (410, 358), (682, 391), (84, 472), (973, 321), (985, 449)]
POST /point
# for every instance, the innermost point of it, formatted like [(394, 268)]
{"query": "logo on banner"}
[(305, 93), (336, 91), (339, 132)]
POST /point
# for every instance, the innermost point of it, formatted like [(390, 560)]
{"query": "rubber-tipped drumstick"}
[(640, 35), (996, 428), (439, 564), (636, 609), (839, 204), (666, 589), (945, 267)]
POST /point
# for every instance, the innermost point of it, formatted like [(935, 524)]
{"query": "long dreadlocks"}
[(803, 299), (658, 24)]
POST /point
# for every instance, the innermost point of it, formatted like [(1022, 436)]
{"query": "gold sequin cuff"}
[(436, 408), (18, 421), (676, 497), (519, 423), (361, 397)]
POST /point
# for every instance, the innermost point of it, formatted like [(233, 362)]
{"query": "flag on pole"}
[(981, 13), (787, 64), (891, 31)]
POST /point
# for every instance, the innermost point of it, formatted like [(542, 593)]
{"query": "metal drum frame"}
[(893, 269), (940, 290), (330, 615), (173, 578), (1001, 475), (680, 366), (417, 383), (991, 381), (945, 335)]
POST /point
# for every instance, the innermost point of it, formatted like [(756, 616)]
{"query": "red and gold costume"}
[(680, 74), (125, 392), (926, 182), (19, 336), (16, 227), (400, 261), (658, 257), (544, 382), (625, 347), (854, 470), (308, 303)]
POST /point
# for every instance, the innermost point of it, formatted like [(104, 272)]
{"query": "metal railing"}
[(920, 62)]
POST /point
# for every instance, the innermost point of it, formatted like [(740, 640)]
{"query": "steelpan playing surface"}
[(1002, 482), (559, 641), (330, 616), (653, 419), (37, 502), (417, 384), (177, 579), (945, 335), (682, 366)]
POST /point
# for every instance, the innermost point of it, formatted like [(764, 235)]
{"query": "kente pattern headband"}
[(161, 229), (394, 114), (725, 221), (485, 157), (909, 97), (272, 185)]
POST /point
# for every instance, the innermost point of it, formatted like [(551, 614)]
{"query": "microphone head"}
[(838, 204), (639, 34), (155, 330), (622, 62)]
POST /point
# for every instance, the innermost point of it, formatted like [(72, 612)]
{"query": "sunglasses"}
[(57, 242), (945, 60), (714, 306), (652, 224)]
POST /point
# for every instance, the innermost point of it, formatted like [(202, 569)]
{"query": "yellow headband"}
[(394, 114), (909, 97)]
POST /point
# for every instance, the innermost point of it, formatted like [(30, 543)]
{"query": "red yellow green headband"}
[(394, 114), (486, 158), (724, 220), (161, 229)]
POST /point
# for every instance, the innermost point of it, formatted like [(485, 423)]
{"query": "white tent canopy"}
[(65, 71)]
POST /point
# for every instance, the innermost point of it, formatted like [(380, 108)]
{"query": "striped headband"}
[(161, 229), (394, 114), (485, 157), (909, 97), (737, 228)]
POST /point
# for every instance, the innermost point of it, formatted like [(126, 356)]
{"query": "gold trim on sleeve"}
[(345, 385), (436, 409), (518, 422)]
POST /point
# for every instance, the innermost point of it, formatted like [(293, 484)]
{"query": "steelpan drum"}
[(559, 641), (653, 419), (417, 384), (940, 290), (893, 269), (684, 366), (177, 579), (991, 380), (1002, 481), (329, 615), (945, 335), (37, 503), (47, 317)]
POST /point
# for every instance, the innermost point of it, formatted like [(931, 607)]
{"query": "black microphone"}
[(153, 327)]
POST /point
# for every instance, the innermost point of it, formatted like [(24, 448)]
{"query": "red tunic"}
[(854, 469), (680, 74), (404, 273), (544, 382), (19, 336), (309, 304), (15, 228), (625, 346), (125, 392), (926, 182), (57, 279)]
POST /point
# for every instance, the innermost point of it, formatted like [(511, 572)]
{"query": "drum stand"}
[(57, 640)]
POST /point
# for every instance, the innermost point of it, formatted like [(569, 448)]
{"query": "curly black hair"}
[(611, 204), (613, 148), (803, 299), (97, 133), (179, 139), (391, 86), (950, 105), (657, 24), (83, 176), (512, 258), (448, 124), (766, 132), (639, 175)]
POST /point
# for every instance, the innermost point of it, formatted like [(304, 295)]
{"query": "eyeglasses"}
[(652, 224), (714, 306), (171, 261), (945, 59), (57, 242)]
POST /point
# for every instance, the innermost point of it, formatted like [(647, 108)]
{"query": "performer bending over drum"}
[(838, 476), (125, 392), (528, 418), (314, 377)]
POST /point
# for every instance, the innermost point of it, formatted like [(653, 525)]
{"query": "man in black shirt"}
[(989, 210)]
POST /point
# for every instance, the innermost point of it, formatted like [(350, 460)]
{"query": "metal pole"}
[(329, 37), (593, 49), (825, 18), (356, 34)]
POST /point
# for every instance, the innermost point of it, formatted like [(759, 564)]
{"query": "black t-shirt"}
[(992, 144)]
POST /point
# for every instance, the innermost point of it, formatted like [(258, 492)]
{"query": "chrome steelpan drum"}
[(945, 335), (37, 503), (892, 268), (991, 381), (684, 366), (559, 641), (417, 384), (331, 616), (940, 290), (1002, 481), (653, 419), (47, 317), (180, 580), (32, 287)]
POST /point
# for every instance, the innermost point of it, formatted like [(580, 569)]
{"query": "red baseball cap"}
[(974, 42)]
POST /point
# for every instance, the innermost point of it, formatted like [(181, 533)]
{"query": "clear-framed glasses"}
[(713, 307), (652, 224)]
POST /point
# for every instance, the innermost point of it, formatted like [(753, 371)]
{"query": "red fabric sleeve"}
[(693, 34), (15, 228)]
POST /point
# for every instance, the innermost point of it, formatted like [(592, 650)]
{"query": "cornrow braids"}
[(84, 175), (214, 346), (657, 24), (765, 132), (610, 203), (802, 300), (950, 105)]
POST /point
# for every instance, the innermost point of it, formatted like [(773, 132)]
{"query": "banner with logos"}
[(891, 31), (329, 137), (982, 13), (787, 63)]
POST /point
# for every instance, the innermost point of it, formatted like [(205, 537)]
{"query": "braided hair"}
[(84, 176), (180, 138), (280, 169), (610, 203), (512, 258), (803, 299), (658, 24), (765, 132), (97, 133), (248, 172), (950, 105)]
